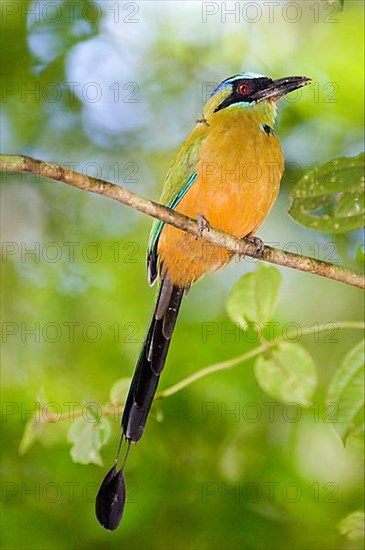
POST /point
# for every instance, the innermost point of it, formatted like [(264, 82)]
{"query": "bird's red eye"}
[(244, 89)]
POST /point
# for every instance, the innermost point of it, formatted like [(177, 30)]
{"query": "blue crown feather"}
[(231, 79)]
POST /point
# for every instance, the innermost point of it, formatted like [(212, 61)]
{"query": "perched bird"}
[(227, 175)]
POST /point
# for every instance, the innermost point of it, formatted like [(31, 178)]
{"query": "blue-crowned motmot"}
[(209, 179)]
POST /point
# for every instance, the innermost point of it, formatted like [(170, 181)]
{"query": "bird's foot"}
[(202, 223), (258, 244)]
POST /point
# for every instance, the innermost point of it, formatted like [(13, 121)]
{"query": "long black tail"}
[(151, 360), (110, 499)]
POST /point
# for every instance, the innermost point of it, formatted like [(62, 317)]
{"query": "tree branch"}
[(19, 163)]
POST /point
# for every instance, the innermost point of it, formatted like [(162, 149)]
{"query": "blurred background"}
[(111, 89)]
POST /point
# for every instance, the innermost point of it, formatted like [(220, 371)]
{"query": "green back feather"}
[(179, 179)]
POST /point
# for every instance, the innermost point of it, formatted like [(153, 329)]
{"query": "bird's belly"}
[(234, 196)]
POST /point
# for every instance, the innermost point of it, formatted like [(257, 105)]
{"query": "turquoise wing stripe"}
[(172, 204), (157, 228)]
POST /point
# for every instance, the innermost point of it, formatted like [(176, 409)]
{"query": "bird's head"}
[(255, 94)]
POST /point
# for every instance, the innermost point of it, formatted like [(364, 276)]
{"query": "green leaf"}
[(360, 253), (287, 373), (34, 426), (357, 437), (31, 434), (119, 390), (347, 390), (352, 526), (87, 438), (329, 198), (253, 297)]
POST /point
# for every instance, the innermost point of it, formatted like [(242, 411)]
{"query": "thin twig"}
[(19, 163), (264, 347), (114, 409)]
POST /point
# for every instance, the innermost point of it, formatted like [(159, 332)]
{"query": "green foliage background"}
[(166, 58)]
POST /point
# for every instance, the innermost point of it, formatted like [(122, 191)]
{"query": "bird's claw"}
[(202, 223), (258, 244)]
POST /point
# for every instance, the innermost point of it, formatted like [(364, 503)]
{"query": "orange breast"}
[(239, 173)]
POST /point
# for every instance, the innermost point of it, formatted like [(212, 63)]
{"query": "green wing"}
[(179, 179)]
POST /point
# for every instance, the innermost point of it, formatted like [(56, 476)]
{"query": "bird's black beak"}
[(275, 89)]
